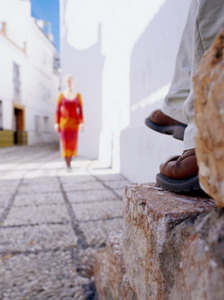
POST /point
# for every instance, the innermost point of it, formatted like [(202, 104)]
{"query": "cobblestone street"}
[(52, 222)]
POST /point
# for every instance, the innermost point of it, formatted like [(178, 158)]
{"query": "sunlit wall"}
[(122, 53)]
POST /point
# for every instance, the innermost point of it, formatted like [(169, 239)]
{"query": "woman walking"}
[(68, 120)]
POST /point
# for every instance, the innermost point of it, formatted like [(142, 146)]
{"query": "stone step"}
[(173, 245), (110, 275)]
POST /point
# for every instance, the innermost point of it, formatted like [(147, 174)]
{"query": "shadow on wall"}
[(86, 66), (152, 66), (153, 57)]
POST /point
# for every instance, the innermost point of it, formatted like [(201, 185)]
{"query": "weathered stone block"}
[(173, 245), (209, 118), (110, 275)]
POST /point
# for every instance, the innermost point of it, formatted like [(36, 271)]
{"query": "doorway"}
[(20, 137)]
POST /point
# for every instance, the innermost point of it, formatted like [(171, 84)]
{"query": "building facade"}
[(29, 80), (123, 56)]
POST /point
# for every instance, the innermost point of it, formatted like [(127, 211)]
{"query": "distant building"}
[(29, 80)]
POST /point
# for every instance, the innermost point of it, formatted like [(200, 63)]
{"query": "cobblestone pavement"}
[(52, 222)]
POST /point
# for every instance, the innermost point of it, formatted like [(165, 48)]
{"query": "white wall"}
[(151, 70), (124, 52), (41, 86), (8, 55), (86, 65)]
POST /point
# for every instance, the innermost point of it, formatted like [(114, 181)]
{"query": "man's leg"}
[(180, 86), (204, 20), (209, 20), (179, 174), (171, 119)]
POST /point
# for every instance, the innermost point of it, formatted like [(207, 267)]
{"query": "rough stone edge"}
[(208, 87), (138, 205), (110, 259)]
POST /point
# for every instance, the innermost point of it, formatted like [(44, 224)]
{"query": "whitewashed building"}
[(122, 55), (28, 78)]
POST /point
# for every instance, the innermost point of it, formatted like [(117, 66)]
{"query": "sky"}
[(48, 10)]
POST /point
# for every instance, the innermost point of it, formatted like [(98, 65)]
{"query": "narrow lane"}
[(52, 222)]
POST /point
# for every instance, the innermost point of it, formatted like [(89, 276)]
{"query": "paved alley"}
[(52, 222)]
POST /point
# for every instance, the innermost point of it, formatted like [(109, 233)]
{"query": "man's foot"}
[(160, 122), (179, 173), (69, 168)]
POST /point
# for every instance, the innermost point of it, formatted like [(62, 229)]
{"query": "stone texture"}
[(117, 184), (95, 186), (111, 177), (99, 235), (120, 192), (52, 223), (40, 181), (35, 188), (209, 118), (36, 215), (40, 276), (109, 271), (42, 237), (37, 199), (105, 210), (173, 245), (1, 211), (77, 179), (4, 200), (201, 269), (89, 196)]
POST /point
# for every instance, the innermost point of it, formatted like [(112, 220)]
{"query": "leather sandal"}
[(160, 122)]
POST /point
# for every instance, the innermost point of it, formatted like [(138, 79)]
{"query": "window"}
[(46, 93), (1, 114), (41, 124), (16, 81), (37, 124), (46, 124), (44, 58), (56, 62), (3, 27)]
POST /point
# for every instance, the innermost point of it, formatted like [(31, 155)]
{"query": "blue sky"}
[(48, 10)]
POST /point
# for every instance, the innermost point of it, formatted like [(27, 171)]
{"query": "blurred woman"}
[(68, 120)]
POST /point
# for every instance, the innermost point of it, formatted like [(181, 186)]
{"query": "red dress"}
[(69, 115)]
